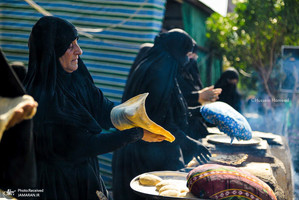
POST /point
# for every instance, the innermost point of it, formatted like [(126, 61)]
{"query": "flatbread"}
[(169, 187), (163, 183), (149, 179), (225, 159), (8, 106), (132, 114), (187, 195), (170, 193)]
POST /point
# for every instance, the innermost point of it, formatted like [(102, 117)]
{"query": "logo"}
[(29, 193), (9, 193)]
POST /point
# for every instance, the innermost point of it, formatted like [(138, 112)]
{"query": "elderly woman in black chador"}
[(228, 83), (72, 112), (166, 105), (195, 94)]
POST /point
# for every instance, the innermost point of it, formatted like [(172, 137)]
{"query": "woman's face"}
[(232, 81), (69, 60), (192, 55)]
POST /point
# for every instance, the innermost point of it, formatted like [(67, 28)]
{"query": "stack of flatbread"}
[(167, 187)]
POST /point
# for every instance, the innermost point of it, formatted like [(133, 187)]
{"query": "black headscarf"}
[(229, 74), (191, 73), (64, 98), (144, 48), (229, 94), (157, 73)]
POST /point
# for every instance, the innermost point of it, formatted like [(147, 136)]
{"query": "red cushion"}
[(220, 182)]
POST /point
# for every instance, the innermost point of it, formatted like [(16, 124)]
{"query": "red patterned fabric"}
[(223, 182)]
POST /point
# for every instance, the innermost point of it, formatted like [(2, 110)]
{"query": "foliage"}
[(251, 38)]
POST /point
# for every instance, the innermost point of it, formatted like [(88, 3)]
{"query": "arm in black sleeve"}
[(192, 98), (76, 142), (96, 144), (190, 93), (190, 147)]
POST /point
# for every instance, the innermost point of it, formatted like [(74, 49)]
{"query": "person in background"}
[(20, 69), (71, 115), (195, 94), (157, 74), (228, 83), (18, 166), (144, 48)]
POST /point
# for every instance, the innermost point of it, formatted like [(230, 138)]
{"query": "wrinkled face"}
[(69, 60)]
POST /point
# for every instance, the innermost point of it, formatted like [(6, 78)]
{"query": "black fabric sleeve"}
[(96, 144), (73, 143), (189, 91), (192, 98), (189, 146), (173, 128), (195, 111), (103, 110)]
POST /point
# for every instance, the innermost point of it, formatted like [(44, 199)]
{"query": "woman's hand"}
[(21, 114), (193, 148), (209, 94), (203, 154), (152, 137)]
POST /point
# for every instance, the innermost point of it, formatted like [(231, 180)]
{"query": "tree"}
[(251, 37)]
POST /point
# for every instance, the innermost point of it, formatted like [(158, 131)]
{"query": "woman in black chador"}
[(18, 167), (228, 83), (166, 106), (144, 48), (195, 94), (71, 114)]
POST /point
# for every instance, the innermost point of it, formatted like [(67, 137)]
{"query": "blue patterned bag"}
[(227, 119)]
